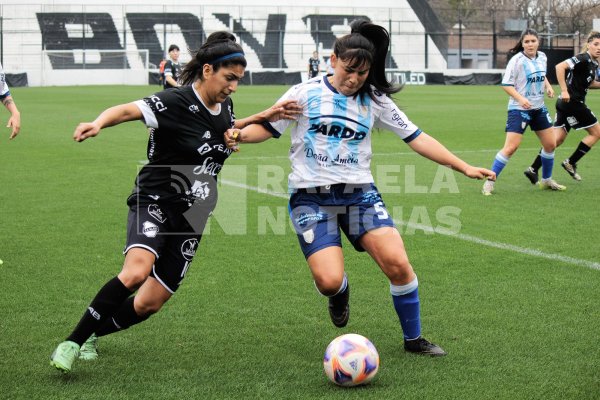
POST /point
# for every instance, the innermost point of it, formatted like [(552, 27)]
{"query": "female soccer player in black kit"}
[(166, 220), (575, 75)]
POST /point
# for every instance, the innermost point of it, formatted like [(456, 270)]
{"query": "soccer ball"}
[(351, 360)]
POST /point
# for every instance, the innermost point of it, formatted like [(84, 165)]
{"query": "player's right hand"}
[(85, 130)]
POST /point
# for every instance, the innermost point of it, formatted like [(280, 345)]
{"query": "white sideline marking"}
[(442, 231)]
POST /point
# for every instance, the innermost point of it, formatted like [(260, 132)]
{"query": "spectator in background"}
[(172, 68), (14, 122), (314, 65)]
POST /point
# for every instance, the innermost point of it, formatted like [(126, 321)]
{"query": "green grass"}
[(247, 322)]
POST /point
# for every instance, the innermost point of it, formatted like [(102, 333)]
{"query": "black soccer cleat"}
[(339, 308), (421, 345), (532, 175)]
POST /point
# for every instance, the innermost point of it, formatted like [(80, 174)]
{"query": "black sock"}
[(106, 302), (537, 163), (122, 319), (581, 151)]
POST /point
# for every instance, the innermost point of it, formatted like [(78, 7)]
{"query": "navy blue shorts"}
[(319, 213), (518, 120)]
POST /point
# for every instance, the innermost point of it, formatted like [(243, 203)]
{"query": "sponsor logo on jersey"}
[(208, 167), (205, 148), (200, 190), (534, 79), (149, 229), (206, 135), (194, 108), (342, 132), (157, 102), (154, 196), (188, 249), (156, 213)]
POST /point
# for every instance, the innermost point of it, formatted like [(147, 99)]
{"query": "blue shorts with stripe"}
[(518, 120), (319, 213)]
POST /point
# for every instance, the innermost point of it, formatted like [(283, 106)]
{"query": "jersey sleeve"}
[(158, 108), (393, 119), (4, 92), (168, 68), (510, 73), (278, 127), (573, 61)]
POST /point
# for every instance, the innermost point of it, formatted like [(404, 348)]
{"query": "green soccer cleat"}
[(89, 350), (64, 355)]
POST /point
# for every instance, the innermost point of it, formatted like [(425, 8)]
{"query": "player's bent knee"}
[(147, 308), (133, 279), (328, 286), (400, 272)]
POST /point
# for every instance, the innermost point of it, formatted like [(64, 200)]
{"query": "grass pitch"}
[(512, 294)]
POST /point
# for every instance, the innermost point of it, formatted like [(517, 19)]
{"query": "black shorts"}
[(573, 114), (165, 231)]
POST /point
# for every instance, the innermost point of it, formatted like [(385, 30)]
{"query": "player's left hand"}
[(550, 92), (480, 173), (286, 109), (15, 124)]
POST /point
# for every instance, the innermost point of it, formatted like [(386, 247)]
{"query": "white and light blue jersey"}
[(528, 77), (331, 140), (4, 91)]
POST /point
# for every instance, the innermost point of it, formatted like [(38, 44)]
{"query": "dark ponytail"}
[(367, 43), (219, 50)]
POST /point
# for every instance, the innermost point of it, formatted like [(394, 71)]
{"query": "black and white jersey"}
[(172, 69), (4, 91), (582, 72), (315, 66), (185, 146)]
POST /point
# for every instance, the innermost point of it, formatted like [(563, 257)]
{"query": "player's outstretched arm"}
[(110, 117), (254, 133), (430, 148), (14, 122), (285, 109)]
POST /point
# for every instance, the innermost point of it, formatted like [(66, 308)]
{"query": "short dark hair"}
[(173, 47)]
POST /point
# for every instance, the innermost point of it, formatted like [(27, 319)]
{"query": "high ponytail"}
[(367, 43)]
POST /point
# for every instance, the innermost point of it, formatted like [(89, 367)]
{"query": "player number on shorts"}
[(381, 211)]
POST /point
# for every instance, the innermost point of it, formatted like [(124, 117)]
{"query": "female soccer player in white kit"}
[(525, 82), (331, 182)]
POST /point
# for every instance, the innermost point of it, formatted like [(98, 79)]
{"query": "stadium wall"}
[(56, 42)]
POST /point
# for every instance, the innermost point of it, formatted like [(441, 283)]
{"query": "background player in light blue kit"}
[(525, 82), (331, 182)]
